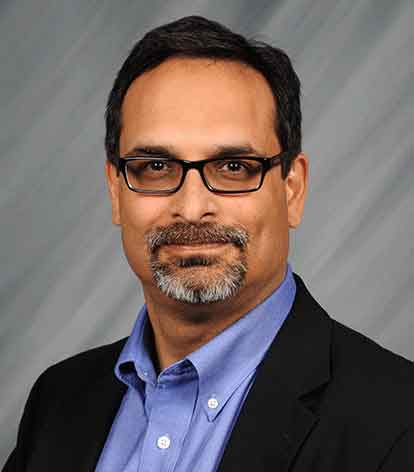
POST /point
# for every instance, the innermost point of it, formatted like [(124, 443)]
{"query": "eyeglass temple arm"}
[(285, 158)]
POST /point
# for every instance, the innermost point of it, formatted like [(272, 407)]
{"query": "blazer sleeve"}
[(401, 456), (18, 457)]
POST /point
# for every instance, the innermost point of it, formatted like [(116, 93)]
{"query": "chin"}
[(199, 284)]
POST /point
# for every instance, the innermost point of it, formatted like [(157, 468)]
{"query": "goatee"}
[(175, 277)]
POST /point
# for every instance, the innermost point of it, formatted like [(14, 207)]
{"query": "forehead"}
[(191, 100)]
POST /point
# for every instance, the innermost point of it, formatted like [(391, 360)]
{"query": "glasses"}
[(165, 175)]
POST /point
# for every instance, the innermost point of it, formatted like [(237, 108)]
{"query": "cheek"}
[(138, 214), (269, 210), (268, 228)]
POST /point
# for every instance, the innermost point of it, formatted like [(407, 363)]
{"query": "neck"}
[(181, 328)]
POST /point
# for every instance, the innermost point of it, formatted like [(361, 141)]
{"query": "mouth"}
[(195, 247)]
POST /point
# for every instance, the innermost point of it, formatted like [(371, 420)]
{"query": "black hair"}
[(198, 37)]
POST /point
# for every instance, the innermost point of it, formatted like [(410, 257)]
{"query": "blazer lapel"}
[(274, 420)]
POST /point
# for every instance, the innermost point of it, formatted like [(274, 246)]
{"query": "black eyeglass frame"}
[(266, 162)]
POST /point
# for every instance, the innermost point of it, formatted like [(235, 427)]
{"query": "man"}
[(231, 365)]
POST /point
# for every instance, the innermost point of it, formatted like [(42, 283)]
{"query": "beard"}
[(198, 278)]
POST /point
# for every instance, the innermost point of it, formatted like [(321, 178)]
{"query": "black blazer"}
[(325, 399)]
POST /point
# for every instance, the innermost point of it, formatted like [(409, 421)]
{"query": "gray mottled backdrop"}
[(65, 285)]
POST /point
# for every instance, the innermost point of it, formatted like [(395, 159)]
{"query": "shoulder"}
[(371, 388), (83, 368), (63, 393), (356, 356), (369, 385), (361, 395)]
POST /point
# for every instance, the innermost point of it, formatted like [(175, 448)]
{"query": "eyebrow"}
[(220, 150)]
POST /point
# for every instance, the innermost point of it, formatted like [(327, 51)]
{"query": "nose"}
[(194, 202)]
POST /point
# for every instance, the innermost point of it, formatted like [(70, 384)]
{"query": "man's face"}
[(212, 246)]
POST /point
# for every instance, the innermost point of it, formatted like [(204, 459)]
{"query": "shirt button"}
[(212, 403), (163, 442)]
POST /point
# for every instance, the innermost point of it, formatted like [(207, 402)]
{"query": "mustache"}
[(196, 233)]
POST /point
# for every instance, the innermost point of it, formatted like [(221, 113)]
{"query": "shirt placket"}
[(172, 404)]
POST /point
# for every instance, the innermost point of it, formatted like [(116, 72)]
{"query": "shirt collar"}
[(135, 359), (226, 360), (222, 363)]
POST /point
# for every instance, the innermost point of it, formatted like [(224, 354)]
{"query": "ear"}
[(112, 180), (296, 184)]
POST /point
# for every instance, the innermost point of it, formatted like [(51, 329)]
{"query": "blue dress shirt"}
[(181, 420)]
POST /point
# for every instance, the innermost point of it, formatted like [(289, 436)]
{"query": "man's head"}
[(193, 90)]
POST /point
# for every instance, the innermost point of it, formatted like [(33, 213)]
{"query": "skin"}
[(191, 106)]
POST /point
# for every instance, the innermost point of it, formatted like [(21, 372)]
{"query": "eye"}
[(238, 166), (231, 166), (149, 168), (157, 165), (235, 166)]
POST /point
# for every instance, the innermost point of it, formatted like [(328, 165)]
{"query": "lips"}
[(195, 246), (197, 243)]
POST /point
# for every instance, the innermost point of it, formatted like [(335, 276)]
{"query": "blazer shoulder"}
[(352, 348), (356, 361), (68, 389), (84, 366), (353, 353), (370, 374)]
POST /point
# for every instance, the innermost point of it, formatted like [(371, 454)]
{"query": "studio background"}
[(65, 285)]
